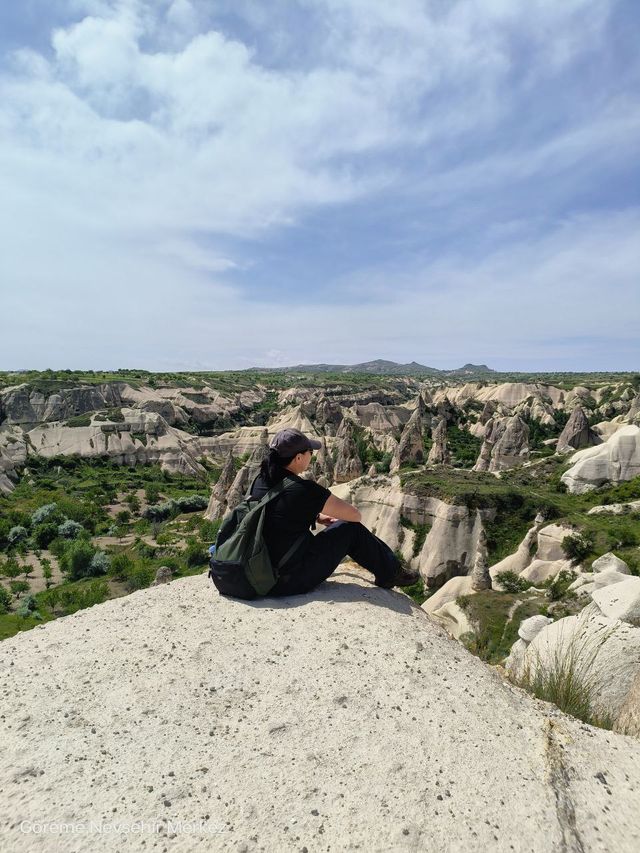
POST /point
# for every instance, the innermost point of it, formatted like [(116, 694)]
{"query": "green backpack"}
[(241, 566)]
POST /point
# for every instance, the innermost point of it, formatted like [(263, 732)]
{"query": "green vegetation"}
[(68, 503), (463, 447), (511, 582), (79, 421), (496, 617), (567, 679), (369, 454), (578, 546)]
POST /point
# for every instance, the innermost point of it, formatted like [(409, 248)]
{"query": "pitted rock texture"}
[(339, 720)]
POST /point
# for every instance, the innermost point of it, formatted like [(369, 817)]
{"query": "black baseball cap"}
[(290, 441)]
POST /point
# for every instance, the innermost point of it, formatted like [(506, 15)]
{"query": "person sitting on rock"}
[(302, 504)]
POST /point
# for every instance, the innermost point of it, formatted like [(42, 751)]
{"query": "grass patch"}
[(568, 678), (79, 421), (494, 630)]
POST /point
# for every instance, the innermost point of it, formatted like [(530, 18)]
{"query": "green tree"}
[(76, 560), (18, 586)]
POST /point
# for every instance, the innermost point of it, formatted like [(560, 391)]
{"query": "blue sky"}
[(216, 185)]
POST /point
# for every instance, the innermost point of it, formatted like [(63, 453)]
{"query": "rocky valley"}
[(516, 499)]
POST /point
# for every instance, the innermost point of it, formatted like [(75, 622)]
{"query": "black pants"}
[(323, 555)]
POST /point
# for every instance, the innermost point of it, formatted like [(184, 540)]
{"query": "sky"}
[(221, 184)]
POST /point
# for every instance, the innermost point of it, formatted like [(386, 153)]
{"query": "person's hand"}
[(325, 519)]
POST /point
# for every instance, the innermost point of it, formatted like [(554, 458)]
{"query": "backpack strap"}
[(292, 550), (273, 493)]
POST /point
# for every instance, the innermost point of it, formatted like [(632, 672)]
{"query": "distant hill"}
[(380, 367), (472, 368)]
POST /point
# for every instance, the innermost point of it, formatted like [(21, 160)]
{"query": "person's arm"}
[(337, 508)]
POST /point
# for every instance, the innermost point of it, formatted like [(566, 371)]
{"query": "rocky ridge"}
[(342, 719)]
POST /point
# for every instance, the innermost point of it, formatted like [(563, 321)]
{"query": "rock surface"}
[(322, 721), (577, 433), (615, 461), (439, 453), (506, 444), (411, 445), (602, 653), (609, 561), (620, 601)]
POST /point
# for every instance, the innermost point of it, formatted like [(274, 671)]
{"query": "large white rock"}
[(328, 722), (607, 578), (603, 654), (539, 571), (531, 627), (510, 394), (615, 461), (453, 619), (447, 593), (609, 561), (550, 542), (620, 601)]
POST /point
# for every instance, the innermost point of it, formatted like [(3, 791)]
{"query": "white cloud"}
[(131, 153)]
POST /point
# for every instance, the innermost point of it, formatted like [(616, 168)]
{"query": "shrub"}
[(43, 513), (121, 565), (58, 546), (77, 597), (123, 517), (623, 537), (76, 560), (152, 493), (99, 564), (196, 554), (5, 527), (511, 582), (11, 568), (578, 546), (208, 530), (47, 574), (140, 576), (5, 599), (421, 534), (27, 606), (192, 503), (44, 534), (70, 529), (161, 512), (559, 586), (18, 586), (17, 534), (133, 502)]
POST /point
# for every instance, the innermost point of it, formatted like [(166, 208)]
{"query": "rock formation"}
[(577, 433), (439, 452), (275, 727), (322, 464), (163, 575), (328, 415), (480, 577), (411, 445), (505, 444), (601, 644), (615, 461), (347, 465), (218, 500)]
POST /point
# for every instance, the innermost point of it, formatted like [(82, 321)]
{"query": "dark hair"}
[(273, 465)]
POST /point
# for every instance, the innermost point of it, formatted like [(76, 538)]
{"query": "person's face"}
[(305, 459)]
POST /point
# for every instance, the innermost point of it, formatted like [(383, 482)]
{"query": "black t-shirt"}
[(290, 514)]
